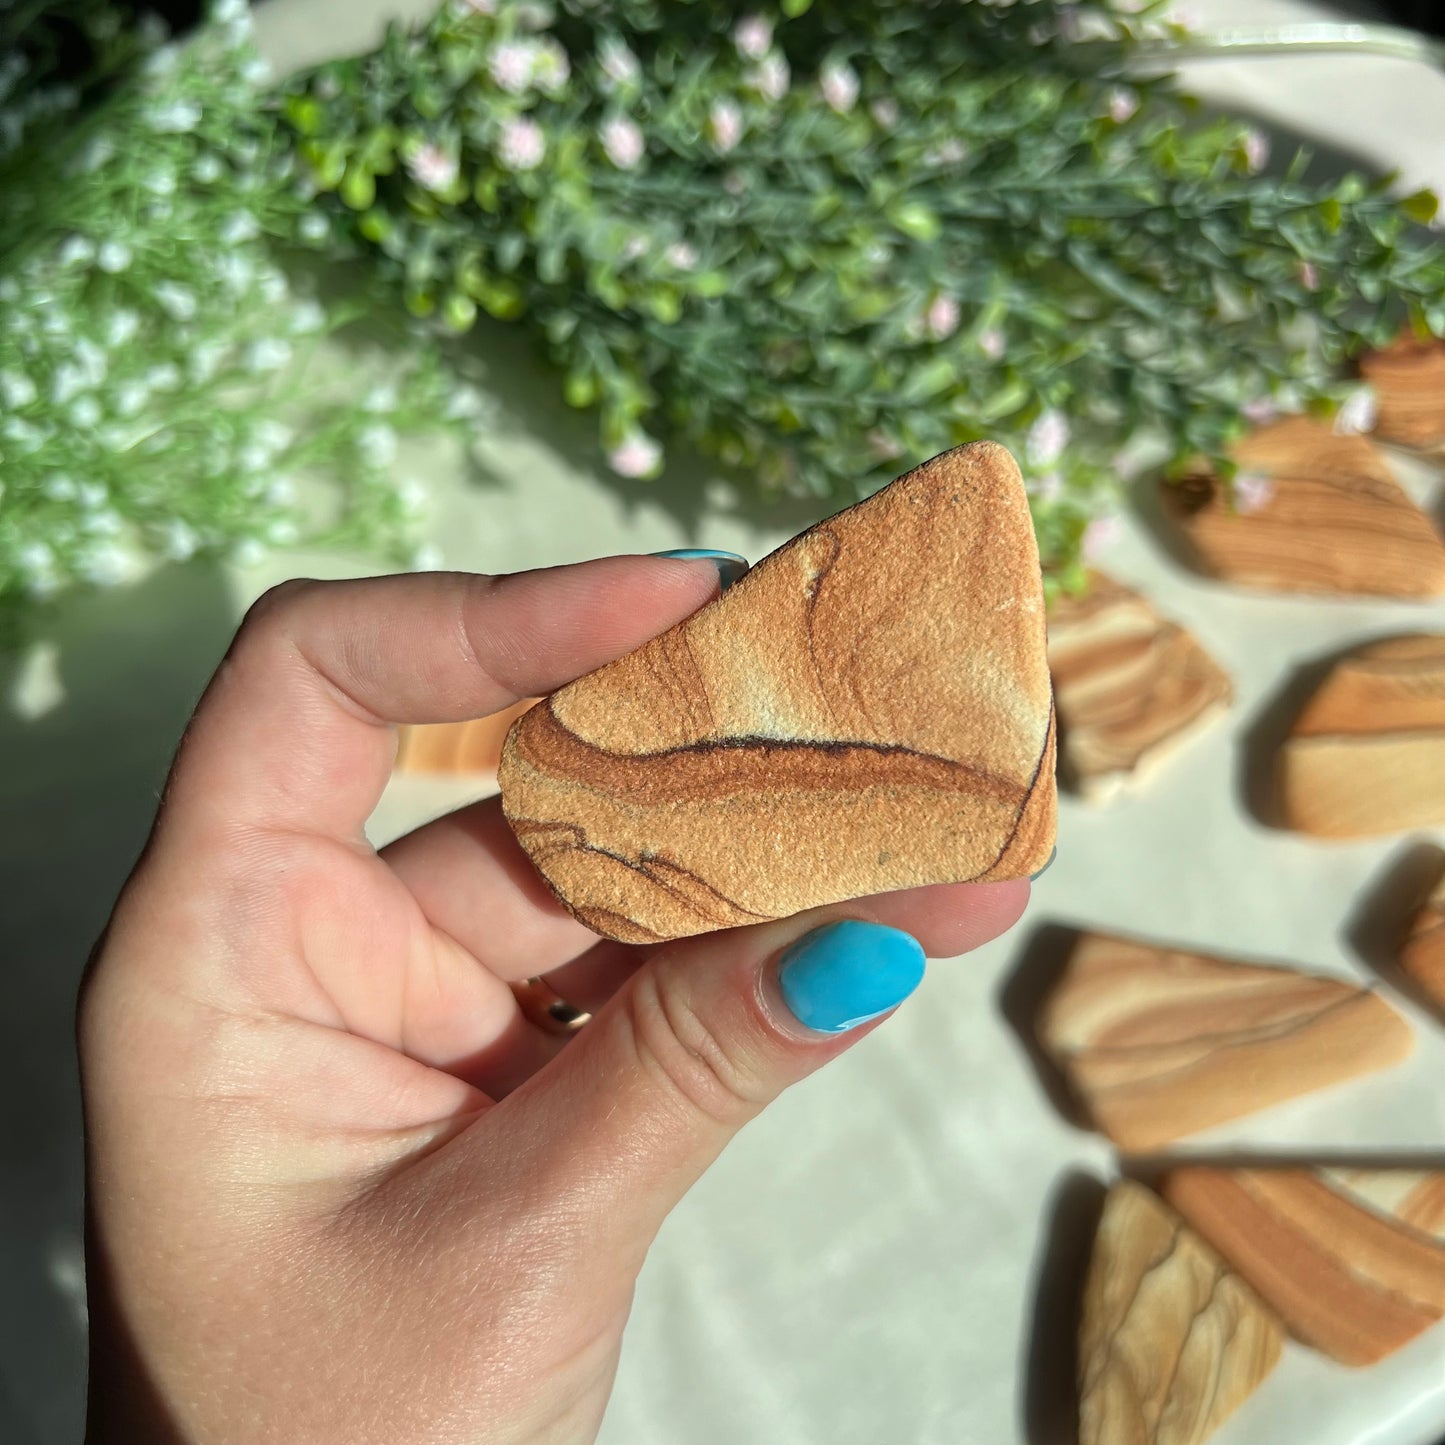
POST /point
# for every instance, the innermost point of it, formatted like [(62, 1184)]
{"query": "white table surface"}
[(885, 1257)]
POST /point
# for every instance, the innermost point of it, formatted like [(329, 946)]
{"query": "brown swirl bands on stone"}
[(1346, 1277), (1409, 381), (1158, 1043), (1130, 688), (868, 709), (1336, 521), (1171, 1340), (1366, 754), (1422, 954)]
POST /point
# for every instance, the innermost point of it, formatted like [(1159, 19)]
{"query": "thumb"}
[(697, 1042)]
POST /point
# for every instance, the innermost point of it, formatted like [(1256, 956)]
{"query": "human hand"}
[(340, 1189)]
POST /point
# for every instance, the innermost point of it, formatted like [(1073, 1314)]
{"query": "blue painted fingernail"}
[(1049, 864), (730, 566), (843, 974)]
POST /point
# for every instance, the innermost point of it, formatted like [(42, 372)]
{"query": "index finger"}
[(295, 731)]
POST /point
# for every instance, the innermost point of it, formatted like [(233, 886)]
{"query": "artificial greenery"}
[(155, 397), (822, 242)]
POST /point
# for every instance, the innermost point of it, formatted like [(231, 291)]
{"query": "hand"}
[(339, 1189)]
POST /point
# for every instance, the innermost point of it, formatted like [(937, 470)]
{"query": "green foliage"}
[(155, 395), (822, 242)]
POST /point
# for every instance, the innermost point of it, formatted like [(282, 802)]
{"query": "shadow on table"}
[(78, 790), (1381, 918), (1049, 1384)]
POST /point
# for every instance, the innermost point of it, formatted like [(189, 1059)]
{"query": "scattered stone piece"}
[(1171, 1341), (1130, 688), (1158, 1043), (474, 746), (1409, 381), (1334, 519), (1367, 753), (1352, 1261), (1422, 955), (868, 709)]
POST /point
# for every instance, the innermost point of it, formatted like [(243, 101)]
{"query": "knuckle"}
[(687, 1057), (275, 602)]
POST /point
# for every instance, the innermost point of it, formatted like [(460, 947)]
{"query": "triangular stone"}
[(1422, 955), (1171, 1341), (1130, 687), (1353, 1261), (1324, 514), (1158, 1043), (1409, 382), (867, 709), (1366, 753)]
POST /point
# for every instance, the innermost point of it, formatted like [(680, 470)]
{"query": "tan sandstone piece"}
[(1329, 517), (472, 747), (1130, 687), (1352, 1261), (1409, 382), (1367, 752), (867, 709), (1171, 1341), (1422, 955), (1157, 1043)]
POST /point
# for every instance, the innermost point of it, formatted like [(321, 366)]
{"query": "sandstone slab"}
[(1366, 754), (1158, 1043), (1409, 382), (1131, 688), (1171, 1341), (867, 709), (1352, 1261)]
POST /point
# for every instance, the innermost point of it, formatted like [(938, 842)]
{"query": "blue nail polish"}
[(1049, 864), (730, 566), (843, 974)]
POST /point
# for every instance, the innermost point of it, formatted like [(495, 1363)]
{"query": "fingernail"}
[(1049, 864), (843, 974), (730, 566)]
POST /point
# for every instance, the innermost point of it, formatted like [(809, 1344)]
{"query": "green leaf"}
[(794, 8), (929, 379), (1421, 206), (915, 219)]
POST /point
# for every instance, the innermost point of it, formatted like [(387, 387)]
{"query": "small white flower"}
[(26, 435), (207, 169), (1259, 409), (9, 289), (412, 494), (308, 317), (35, 558), (1358, 413), (280, 491), (111, 564), (1251, 492), (637, 456), (681, 255), (314, 227), (113, 257), (735, 183), (267, 354), (250, 553), (1047, 438), (239, 227), (59, 488), (426, 558), (771, 77), (480, 7), (884, 110), (1256, 150), (1047, 488), (1099, 536), (724, 125), (121, 327), (179, 540), (464, 402), (176, 116), (160, 183), (551, 68), (91, 360), (271, 284), (256, 71), (227, 12), (96, 153), (275, 436), (205, 360), (883, 447), (93, 496), (282, 532), (1123, 102), (178, 302), (839, 84), (161, 61), (991, 342), (381, 399), (377, 444), (16, 389), (235, 270), (622, 140), (76, 251), (130, 397), (432, 168), (68, 382), (753, 36), (618, 63), (164, 377), (942, 317), (512, 65), (635, 247), (85, 413), (522, 145), (948, 153), (37, 689)]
